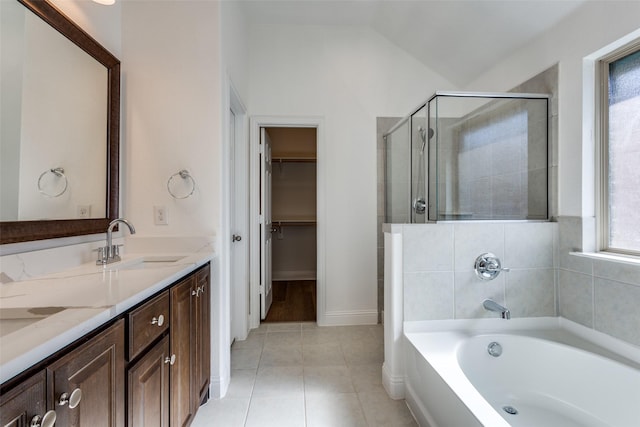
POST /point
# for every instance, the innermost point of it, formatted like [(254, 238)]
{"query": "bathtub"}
[(551, 372)]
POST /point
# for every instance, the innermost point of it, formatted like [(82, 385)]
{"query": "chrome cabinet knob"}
[(170, 360), (158, 320), (72, 399), (47, 420)]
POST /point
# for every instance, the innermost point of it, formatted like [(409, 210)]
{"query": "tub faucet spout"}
[(491, 305)]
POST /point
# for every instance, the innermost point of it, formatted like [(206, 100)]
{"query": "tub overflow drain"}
[(510, 410)]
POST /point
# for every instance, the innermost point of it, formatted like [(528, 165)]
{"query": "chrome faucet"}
[(491, 305), (110, 253)]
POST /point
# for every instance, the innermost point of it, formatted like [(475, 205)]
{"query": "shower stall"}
[(469, 156)]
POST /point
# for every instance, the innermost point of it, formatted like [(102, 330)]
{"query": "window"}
[(619, 198)]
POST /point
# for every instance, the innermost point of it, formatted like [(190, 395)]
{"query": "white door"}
[(238, 275), (266, 294)]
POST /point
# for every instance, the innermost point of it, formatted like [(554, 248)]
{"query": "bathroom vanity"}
[(130, 347)]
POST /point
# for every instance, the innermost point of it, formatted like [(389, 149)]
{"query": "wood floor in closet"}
[(293, 301)]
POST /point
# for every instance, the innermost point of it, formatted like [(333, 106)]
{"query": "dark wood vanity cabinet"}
[(149, 388), (190, 342), (202, 343), (176, 374), (155, 358), (84, 387), (23, 403), (183, 335)]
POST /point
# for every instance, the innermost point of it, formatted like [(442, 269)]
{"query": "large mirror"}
[(59, 128)]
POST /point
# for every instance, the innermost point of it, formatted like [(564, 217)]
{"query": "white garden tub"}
[(551, 372)]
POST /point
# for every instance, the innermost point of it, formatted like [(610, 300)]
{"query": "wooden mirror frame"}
[(24, 231)]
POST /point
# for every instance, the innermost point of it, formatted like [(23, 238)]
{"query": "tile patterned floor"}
[(302, 375)]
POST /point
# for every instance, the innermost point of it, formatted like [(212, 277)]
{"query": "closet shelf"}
[(292, 159), (293, 221)]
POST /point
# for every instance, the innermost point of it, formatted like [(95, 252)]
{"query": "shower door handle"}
[(419, 206), (236, 238)]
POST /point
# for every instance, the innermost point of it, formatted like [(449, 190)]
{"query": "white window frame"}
[(602, 147)]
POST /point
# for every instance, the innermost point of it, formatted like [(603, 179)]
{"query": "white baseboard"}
[(343, 318), (394, 385), (218, 387)]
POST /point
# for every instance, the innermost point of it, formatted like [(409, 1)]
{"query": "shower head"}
[(423, 135)]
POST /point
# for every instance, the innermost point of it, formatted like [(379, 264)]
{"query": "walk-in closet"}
[(293, 216)]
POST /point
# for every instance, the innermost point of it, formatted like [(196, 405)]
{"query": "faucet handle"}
[(116, 250), (102, 259), (487, 266)]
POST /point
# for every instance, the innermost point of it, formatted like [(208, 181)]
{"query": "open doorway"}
[(263, 227), (293, 232), (288, 228)]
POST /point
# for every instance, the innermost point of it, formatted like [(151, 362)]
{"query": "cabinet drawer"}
[(202, 275), (148, 322)]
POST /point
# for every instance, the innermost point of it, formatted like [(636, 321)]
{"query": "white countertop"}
[(91, 296)]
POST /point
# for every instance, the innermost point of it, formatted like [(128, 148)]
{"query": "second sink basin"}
[(149, 261)]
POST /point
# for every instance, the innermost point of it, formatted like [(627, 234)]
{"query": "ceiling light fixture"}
[(105, 2)]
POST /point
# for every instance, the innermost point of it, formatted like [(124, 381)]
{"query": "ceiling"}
[(459, 39)]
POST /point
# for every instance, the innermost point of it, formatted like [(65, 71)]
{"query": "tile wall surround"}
[(601, 294), (546, 279), (439, 281)]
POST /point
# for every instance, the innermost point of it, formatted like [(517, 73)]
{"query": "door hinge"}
[(261, 219), (261, 289), (261, 148)]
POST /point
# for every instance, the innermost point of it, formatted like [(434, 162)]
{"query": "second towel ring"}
[(184, 174), (59, 172)]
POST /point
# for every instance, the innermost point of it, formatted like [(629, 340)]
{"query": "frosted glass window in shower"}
[(624, 154), (491, 158)]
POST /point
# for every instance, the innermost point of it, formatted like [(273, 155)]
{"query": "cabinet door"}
[(203, 337), (182, 332), (148, 380), (96, 368), (25, 401)]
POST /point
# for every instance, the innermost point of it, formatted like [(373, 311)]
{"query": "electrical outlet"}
[(160, 215), (84, 211)]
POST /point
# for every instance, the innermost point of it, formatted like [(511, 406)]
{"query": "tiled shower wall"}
[(546, 279), (440, 283), (597, 293)]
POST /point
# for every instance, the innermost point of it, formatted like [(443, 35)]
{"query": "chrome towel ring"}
[(58, 172), (185, 175)]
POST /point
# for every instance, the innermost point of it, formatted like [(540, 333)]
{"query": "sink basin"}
[(16, 318), (151, 261)]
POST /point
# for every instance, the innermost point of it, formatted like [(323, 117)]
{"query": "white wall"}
[(235, 50), (349, 76), (593, 26), (171, 113)]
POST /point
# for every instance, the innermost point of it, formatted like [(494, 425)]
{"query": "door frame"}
[(238, 268), (257, 122)]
